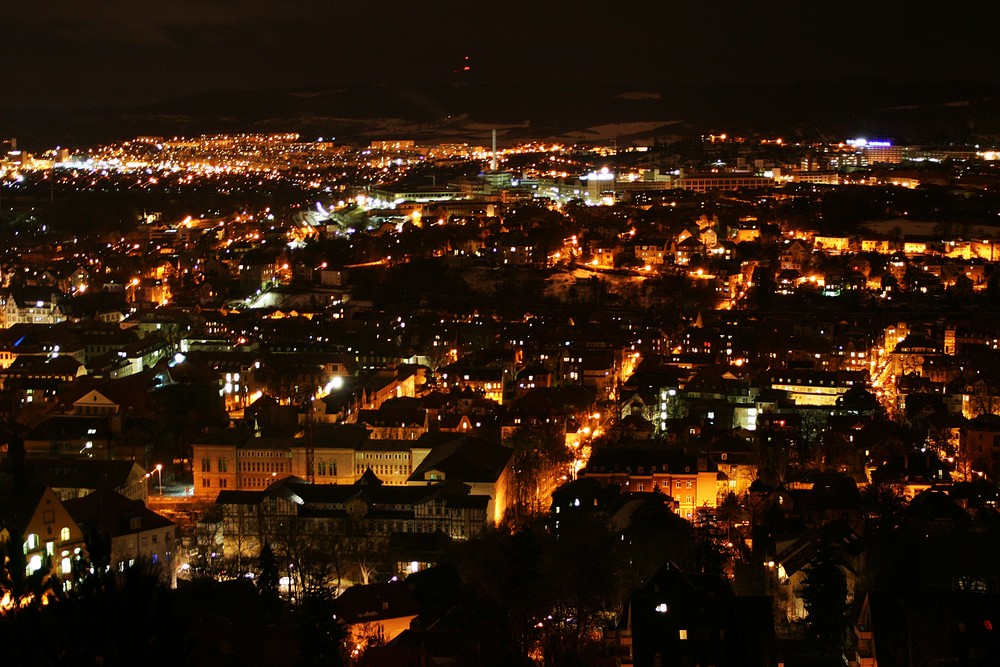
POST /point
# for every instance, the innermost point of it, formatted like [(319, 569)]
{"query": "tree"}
[(368, 636), (583, 570), (540, 459), (656, 533), (267, 578), (110, 618), (709, 554), (731, 515), (503, 568), (825, 595), (859, 400), (323, 636)]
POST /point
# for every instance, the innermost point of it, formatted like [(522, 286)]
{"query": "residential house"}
[(37, 522), (137, 534), (673, 620), (77, 477), (979, 443), (67, 435), (691, 481), (376, 613), (948, 627), (833, 245), (396, 422), (651, 252), (794, 256), (39, 340), (39, 379), (683, 252), (736, 460), (488, 381), (484, 466), (32, 304)]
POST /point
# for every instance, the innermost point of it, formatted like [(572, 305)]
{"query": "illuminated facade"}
[(693, 482), (816, 387)]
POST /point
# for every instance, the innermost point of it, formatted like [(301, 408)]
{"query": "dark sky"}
[(62, 55)]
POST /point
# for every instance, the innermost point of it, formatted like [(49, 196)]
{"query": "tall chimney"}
[(493, 159)]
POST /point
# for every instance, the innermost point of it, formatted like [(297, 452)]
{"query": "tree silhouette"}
[(709, 555), (110, 618), (582, 570), (267, 578), (825, 595), (323, 635), (540, 458)]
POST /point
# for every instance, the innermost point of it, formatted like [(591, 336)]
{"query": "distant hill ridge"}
[(906, 112)]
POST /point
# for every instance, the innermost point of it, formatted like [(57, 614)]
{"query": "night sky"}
[(62, 55)]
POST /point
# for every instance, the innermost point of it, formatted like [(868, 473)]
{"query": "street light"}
[(159, 471)]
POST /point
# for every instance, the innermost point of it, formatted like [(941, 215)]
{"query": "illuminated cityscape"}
[(406, 345), (393, 339)]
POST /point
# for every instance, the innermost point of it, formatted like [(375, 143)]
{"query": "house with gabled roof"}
[(33, 517), (135, 532), (947, 627), (643, 467), (39, 340), (376, 610), (734, 455), (38, 379), (651, 251), (90, 396), (77, 477), (399, 423), (65, 435), (32, 304), (677, 619), (484, 466), (95, 402)]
